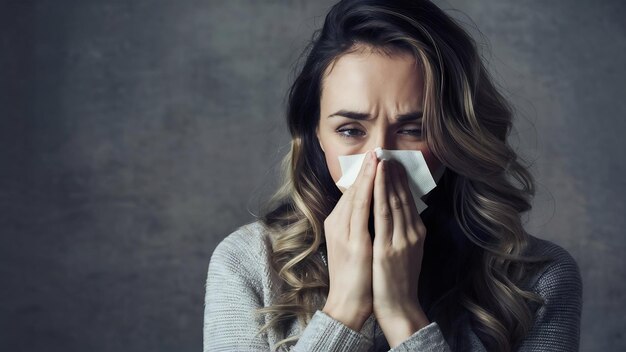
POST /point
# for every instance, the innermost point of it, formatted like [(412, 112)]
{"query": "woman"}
[(360, 269)]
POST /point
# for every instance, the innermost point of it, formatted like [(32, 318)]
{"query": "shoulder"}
[(236, 286), (246, 248), (246, 239), (560, 275)]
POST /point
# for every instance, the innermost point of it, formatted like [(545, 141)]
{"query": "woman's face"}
[(371, 100)]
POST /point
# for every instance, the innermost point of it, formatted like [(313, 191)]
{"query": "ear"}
[(317, 133)]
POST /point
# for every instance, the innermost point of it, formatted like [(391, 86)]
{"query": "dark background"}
[(135, 135)]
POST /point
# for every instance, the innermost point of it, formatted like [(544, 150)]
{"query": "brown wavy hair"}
[(466, 124)]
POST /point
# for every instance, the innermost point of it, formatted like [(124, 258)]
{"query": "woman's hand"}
[(349, 247), (397, 255)]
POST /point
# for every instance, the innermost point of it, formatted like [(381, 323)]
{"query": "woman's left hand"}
[(397, 255)]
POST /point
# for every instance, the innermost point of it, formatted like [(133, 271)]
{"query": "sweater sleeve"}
[(324, 333), (557, 323), (556, 327), (230, 299), (234, 290), (427, 339)]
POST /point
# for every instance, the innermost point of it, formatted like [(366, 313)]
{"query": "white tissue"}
[(420, 179)]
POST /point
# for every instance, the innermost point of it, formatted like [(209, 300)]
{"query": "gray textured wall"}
[(136, 135)]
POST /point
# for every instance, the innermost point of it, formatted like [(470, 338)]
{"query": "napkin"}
[(420, 179)]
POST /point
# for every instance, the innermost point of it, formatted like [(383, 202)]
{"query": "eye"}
[(350, 132), (411, 131)]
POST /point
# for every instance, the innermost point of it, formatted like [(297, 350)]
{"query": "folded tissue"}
[(420, 179)]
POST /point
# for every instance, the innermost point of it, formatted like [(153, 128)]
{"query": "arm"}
[(323, 333), (230, 299), (415, 333), (427, 339), (234, 290), (556, 326), (557, 322)]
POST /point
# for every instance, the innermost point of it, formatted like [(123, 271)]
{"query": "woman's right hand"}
[(349, 248)]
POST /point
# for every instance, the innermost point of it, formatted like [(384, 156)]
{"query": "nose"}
[(383, 139)]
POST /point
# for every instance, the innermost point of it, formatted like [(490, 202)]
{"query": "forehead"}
[(369, 75)]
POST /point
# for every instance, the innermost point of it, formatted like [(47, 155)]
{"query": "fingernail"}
[(379, 152)]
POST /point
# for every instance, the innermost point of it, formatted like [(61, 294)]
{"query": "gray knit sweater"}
[(240, 280)]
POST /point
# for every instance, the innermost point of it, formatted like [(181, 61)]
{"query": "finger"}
[(339, 212), (363, 187), (412, 217), (383, 225), (396, 204), (342, 210), (348, 193), (405, 194), (344, 200)]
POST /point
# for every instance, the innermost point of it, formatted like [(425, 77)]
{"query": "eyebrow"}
[(410, 116)]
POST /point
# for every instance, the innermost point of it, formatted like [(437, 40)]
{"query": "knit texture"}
[(240, 280)]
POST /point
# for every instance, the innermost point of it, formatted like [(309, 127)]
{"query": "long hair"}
[(466, 123)]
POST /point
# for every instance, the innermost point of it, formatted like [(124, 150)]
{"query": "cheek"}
[(333, 148), (332, 161)]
